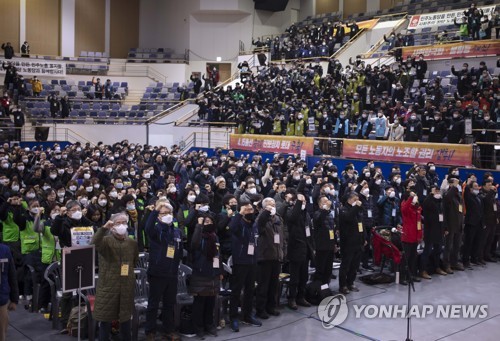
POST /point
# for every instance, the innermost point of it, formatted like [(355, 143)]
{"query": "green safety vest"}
[(30, 240), (290, 129), (185, 213), (299, 128), (277, 126), (48, 242), (10, 231)]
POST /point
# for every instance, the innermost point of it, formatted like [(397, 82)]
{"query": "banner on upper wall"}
[(36, 67), (466, 49), (417, 152), (441, 18), (273, 144)]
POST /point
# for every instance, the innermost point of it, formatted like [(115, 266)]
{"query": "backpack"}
[(72, 325), (315, 294)]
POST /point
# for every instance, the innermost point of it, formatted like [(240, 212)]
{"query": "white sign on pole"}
[(36, 67)]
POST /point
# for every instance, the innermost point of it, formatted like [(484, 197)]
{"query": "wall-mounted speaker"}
[(271, 5)]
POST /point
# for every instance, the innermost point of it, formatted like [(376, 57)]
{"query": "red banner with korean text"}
[(409, 152), (480, 48), (273, 144)]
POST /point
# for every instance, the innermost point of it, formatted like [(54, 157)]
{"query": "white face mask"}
[(45, 188), (191, 198), (35, 210), (113, 194), (203, 208), (303, 207), (147, 176), (30, 195), (205, 172), (86, 176), (130, 207), (392, 194), (437, 195), (103, 202), (378, 182), (84, 201), (120, 229), (398, 181), (77, 215), (54, 215), (173, 189), (365, 191), (252, 190), (15, 188), (167, 219), (367, 174), (119, 185), (273, 210), (109, 170), (53, 176), (308, 181), (89, 189), (72, 188), (124, 173)]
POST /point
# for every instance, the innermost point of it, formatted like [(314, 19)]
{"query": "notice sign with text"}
[(273, 144), (37, 67), (409, 152), (442, 18)]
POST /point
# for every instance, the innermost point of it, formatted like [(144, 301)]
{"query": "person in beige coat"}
[(396, 132)]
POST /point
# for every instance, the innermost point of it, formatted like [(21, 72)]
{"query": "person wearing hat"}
[(165, 252), (115, 290)]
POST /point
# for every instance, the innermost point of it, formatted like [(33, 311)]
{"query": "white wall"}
[(165, 23), (108, 134), (372, 5), (68, 28), (210, 28), (173, 72)]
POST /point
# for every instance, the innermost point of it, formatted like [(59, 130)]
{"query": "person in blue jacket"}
[(165, 252), (9, 292)]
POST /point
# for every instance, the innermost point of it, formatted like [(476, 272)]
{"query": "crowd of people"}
[(308, 41), (269, 216), (361, 101)]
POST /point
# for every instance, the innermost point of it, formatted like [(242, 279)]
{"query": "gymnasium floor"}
[(478, 286)]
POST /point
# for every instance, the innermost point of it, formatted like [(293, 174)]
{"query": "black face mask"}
[(249, 216), (209, 228), (233, 208)]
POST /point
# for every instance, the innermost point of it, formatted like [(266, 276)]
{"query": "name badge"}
[(170, 251), (340, 126), (412, 128), (276, 238), (441, 218), (331, 234), (419, 225), (235, 185), (216, 263), (257, 181), (432, 129), (311, 200), (494, 207), (124, 270), (460, 208), (308, 231), (451, 126), (251, 249), (424, 192), (369, 212), (393, 212), (360, 227), (324, 287)]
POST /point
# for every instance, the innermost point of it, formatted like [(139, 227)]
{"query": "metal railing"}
[(205, 139), (348, 43), (377, 45), (28, 134)]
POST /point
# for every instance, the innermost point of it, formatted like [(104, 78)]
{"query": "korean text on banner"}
[(409, 152), (464, 49), (36, 67), (442, 18), (273, 144)]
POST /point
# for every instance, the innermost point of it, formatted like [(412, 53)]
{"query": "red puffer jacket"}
[(412, 221)]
